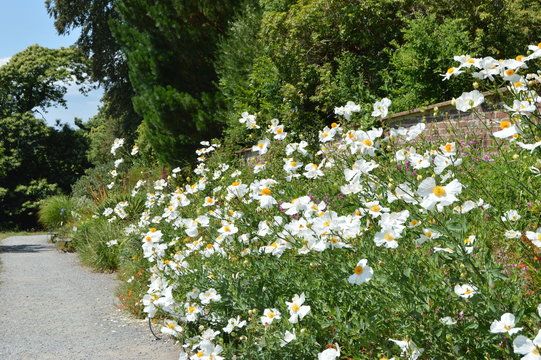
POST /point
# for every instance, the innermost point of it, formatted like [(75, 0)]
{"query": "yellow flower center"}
[(505, 124), (236, 183), (271, 315), (293, 163), (153, 230), (351, 135), (467, 292), (375, 208), (266, 191), (210, 200), (388, 237), (470, 61), (507, 327), (539, 236), (166, 262), (450, 70), (171, 326), (439, 191), (209, 246), (518, 84), (200, 354), (295, 308), (536, 351), (191, 309), (414, 222), (509, 72), (358, 270), (227, 229), (448, 147), (368, 142), (274, 245), (333, 125), (325, 134), (279, 130), (148, 239), (519, 58), (428, 234), (260, 145)]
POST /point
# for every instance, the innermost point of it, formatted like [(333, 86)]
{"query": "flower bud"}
[(475, 85), (515, 156), (419, 177)]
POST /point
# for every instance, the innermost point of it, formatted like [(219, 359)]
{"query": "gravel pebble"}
[(53, 308)]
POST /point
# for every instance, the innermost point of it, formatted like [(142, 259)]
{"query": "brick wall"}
[(444, 122)]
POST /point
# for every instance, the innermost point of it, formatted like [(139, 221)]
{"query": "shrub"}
[(94, 242), (364, 245)]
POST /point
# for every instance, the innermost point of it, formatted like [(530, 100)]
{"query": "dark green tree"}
[(108, 64), (170, 49), (37, 160), (37, 78)]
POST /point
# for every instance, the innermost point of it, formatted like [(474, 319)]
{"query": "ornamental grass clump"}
[(368, 244)]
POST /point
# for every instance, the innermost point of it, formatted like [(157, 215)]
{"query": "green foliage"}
[(107, 63), (417, 64), (90, 241), (37, 161), (59, 211), (37, 77), (169, 47)]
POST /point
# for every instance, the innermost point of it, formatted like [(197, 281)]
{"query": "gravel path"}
[(52, 308)]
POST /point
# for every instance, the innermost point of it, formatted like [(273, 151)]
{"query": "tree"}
[(170, 46), (36, 160), (108, 64), (38, 77)]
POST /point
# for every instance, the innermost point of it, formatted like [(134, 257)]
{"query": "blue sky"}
[(26, 22)]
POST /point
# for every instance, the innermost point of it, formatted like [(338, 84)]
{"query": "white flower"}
[(134, 150), (531, 348), (208, 296), (381, 108), (329, 354), (408, 348), (469, 100), (433, 194), (465, 291), (262, 146), (288, 337), (118, 162), (508, 129), (512, 234), (361, 273), (347, 110), (511, 215), (535, 237), (171, 327), (111, 243), (269, 315), (506, 324), (234, 323), (448, 321), (116, 144), (249, 121), (451, 72), (296, 308)]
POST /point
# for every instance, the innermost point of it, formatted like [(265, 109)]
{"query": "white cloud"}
[(4, 61)]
